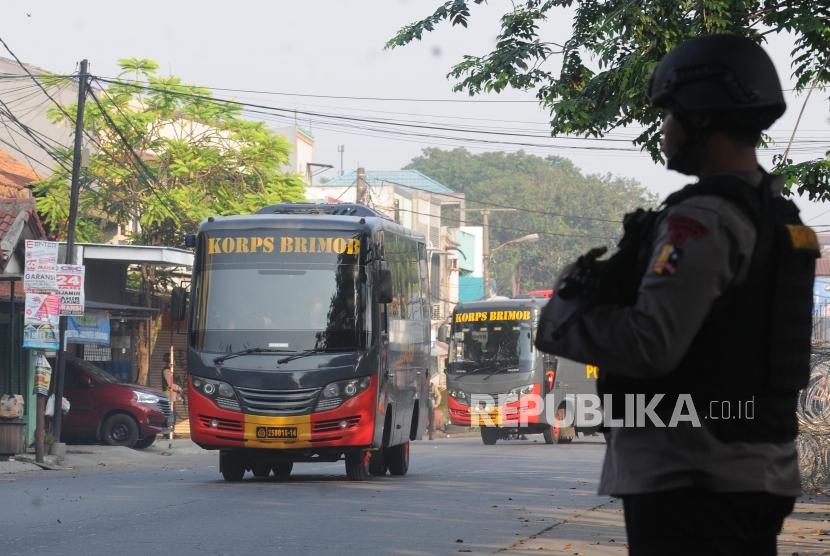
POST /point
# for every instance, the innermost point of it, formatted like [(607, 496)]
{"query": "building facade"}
[(423, 205)]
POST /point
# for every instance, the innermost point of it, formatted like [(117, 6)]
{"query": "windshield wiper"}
[(490, 370), (497, 371), (219, 360), (306, 353)]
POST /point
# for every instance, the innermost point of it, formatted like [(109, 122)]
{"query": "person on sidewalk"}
[(437, 412), (168, 383), (704, 314)]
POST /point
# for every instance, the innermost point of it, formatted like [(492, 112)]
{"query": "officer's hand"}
[(563, 275)]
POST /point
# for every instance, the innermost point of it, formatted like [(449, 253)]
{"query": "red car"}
[(110, 411)]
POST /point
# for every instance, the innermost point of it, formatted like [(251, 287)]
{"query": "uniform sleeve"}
[(702, 246)]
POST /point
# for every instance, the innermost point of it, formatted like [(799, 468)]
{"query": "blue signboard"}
[(91, 328)]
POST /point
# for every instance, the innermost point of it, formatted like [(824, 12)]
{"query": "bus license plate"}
[(277, 433)]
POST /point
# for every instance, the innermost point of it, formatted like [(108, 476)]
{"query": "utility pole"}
[(340, 149), (69, 256), (361, 198), (485, 250)]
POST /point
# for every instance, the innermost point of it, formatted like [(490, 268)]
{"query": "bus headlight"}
[(220, 392), (336, 393), (516, 393), (460, 396)]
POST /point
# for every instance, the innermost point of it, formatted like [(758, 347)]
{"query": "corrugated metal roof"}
[(404, 178)]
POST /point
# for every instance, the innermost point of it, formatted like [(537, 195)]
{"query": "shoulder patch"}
[(668, 258), (684, 227), (803, 238)]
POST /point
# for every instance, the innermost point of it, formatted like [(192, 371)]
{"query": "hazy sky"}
[(333, 47)]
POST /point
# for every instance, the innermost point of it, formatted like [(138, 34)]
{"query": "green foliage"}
[(550, 186), (606, 62), (200, 159)]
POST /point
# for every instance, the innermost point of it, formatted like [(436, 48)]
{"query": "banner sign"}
[(91, 328), (70, 280), (43, 375), (41, 266), (40, 321)]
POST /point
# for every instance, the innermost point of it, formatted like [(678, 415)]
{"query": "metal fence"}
[(813, 440), (821, 321)]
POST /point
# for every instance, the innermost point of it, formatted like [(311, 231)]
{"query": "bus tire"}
[(489, 435), (377, 464), (357, 465), (566, 434), (282, 469), (397, 459), (260, 469), (232, 467)]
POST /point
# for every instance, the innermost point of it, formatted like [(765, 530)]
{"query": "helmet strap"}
[(689, 157)]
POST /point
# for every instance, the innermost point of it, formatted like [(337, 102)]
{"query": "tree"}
[(570, 211), (198, 158), (607, 61), (164, 158)]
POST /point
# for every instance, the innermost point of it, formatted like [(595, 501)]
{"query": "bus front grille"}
[(278, 402)]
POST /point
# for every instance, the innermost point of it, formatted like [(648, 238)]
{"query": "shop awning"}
[(116, 310)]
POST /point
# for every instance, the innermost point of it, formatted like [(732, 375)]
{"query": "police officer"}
[(707, 303)]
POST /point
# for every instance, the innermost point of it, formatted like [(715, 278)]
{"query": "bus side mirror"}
[(178, 304), (443, 334), (385, 286)]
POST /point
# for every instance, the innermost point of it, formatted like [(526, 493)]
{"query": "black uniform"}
[(709, 298)]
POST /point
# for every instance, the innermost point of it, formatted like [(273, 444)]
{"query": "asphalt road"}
[(459, 497)]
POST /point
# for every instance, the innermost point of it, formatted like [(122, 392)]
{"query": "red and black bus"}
[(498, 380), (308, 340)]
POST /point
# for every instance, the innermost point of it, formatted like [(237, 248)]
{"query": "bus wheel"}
[(282, 469), (551, 434), (377, 464), (397, 458), (260, 469), (489, 435), (566, 434), (232, 467), (357, 465)]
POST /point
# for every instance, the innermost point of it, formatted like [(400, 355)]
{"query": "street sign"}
[(70, 282), (40, 321), (41, 265)]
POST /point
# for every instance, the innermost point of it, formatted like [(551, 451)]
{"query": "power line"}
[(375, 121), (30, 133), (354, 122), (345, 97), (141, 165), (362, 98), (505, 228), (498, 205), (39, 84)]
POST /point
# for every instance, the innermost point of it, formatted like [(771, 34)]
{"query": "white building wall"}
[(478, 233)]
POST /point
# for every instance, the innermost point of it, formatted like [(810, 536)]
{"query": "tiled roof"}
[(823, 266), (404, 178), (15, 177), (10, 208)]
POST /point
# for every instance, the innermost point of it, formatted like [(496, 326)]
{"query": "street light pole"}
[(488, 259)]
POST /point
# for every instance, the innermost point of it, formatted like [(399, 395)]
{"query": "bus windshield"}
[(491, 348), (297, 291)]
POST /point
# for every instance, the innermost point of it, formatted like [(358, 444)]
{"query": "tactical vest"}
[(753, 349)]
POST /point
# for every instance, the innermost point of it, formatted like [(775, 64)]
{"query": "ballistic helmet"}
[(719, 73)]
